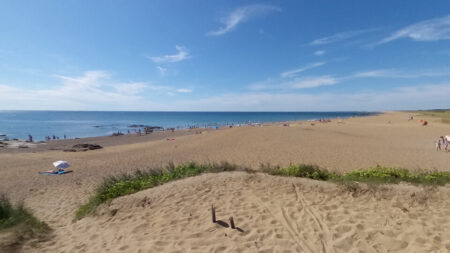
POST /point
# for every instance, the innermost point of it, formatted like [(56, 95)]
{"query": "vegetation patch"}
[(17, 225), (114, 187), (300, 170), (443, 114), (378, 174), (385, 175)]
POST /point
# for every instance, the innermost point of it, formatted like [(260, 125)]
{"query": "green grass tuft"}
[(17, 225), (11, 216), (385, 175), (300, 170)]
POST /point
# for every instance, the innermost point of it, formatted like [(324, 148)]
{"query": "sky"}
[(224, 55)]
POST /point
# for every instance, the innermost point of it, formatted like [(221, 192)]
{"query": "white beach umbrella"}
[(61, 164)]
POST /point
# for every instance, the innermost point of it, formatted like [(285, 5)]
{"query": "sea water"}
[(78, 124)]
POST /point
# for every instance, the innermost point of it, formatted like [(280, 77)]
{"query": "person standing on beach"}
[(438, 145), (445, 141)]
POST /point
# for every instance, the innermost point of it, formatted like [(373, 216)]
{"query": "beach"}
[(275, 214)]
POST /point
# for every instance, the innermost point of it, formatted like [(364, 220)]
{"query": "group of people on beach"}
[(443, 142), (54, 137)]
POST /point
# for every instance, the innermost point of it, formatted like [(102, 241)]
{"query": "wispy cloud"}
[(162, 71), (312, 82), (89, 80), (319, 52), (428, 30), (182, 54), (289, 80), (183, 90), (339, 37), (130, 88), (77, 93), (295, 83), (425, 96), (241, 15), (93, 90), (397, 73), (293, 72)]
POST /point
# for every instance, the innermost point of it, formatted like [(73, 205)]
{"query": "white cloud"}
[(293, 72), (339, 37), (86, 92), (396, 73), (241, 15), (319, 52), (161, 70), (428, 30), (71, 96), (182, 54), (312, 82), (94, 90), (130, 88), (295, 83), (289, 81), (405, 98), (153, 87), (374, 73), (90, 79), (183, 90), (169, 90)]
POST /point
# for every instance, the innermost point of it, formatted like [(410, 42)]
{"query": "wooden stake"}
[(232, 223), (213, 213)]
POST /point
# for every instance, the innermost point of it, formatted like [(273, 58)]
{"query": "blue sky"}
[(224, 55)]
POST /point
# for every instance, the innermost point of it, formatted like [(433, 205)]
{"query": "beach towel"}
[(51, 172)]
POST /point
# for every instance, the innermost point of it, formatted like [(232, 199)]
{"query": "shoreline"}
[(109, 124), (22, 145)]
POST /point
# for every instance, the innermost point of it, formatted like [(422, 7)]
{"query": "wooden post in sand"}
[(232, 223), (213, 213)]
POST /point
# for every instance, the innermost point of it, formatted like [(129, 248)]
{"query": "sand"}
[(275, 214)]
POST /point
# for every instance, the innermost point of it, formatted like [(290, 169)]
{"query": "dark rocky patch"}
[(83, 147)]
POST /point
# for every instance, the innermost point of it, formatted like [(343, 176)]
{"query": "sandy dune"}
[(272, 215), (276, 214)]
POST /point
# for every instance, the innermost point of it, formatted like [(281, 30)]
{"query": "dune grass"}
[(299, 170), (11, 215), (17, 225), (378, 174), (114, 187)]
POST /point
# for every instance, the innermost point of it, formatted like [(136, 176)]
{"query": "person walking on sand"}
[(438, 145), (445, 142)]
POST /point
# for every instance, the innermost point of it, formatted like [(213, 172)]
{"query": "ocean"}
[(79, 124)]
